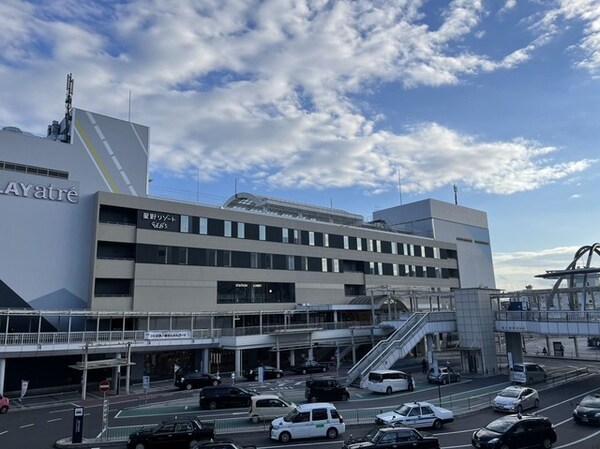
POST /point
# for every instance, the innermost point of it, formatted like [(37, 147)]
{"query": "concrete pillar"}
[(116, 375), (292, 357), (353, 347), (2, 374), (238, 362), (205, 360), (128, 370), (548, 347), (576, 347), (277, 353), (513, 346), (84, 374)]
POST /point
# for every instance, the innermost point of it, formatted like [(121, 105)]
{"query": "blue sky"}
[(333, 102)]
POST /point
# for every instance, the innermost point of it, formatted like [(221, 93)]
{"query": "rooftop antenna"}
[(69, 107), (455, 194), (399, 184)]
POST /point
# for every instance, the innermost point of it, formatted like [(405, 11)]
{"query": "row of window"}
[(175, 255), (32, 170)]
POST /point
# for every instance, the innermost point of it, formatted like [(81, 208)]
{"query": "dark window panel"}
[(386, 247)]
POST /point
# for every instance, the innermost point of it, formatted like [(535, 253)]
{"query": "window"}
[(371, 267), (253, 260), (358, 244), (319, 414), (182, 256), (336, 266), (370, 242), (325, 239), (203, 226), (226, 258), (394, 248), (227, 230), (285, 236), (304, 263), (324, 264), (184, 224), (291, 263), (379, 267), (296, 236), (378, 245), (395, 269), (241, 231), (311, 238), (262, 232), (346, 242)]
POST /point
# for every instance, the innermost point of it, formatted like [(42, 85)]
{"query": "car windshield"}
[(291, 416), (403, 410), (243, 390), (590, 401), (509, 393), (500, 425), (374, 435)]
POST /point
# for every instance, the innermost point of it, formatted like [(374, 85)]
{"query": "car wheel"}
[(212, 405), (519, 408), (284, 437), (188, 386), (194, 444), (3, 409), (437, 424), (332, 433), (546, 444), (444, 381), (140, 446), (278, 375), (254, 419), (388, 390), (324, 368), (536, 404), (304, 371), (504, 446), (344, 397), (215, 383), (458, 378), (313, 399)]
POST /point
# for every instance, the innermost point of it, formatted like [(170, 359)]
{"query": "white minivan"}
[(268, 406), (389, 381), (320, 419), (527, 373)]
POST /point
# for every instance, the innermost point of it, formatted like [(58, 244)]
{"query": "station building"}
[(87, 249)]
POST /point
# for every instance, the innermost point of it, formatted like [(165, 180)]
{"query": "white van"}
[(527, 373), (389, 381), (268, 406), (320, 419)]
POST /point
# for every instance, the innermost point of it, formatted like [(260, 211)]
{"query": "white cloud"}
[(263, 89)]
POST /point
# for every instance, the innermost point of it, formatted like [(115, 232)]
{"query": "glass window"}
[(379, 267), (319, 414), (290, 263), (324, 264), (183, 256), (371, 267), (203, 226), (378, 245), (370, 242), (394, 248), (304, 263), (184, 224), (346, 242), (285, 235), (311, 238), (358, 243), (296, 236), (226, 258), (227, 229), (253, 260), (241, 231), (396, 270), (336, 266), (262, 232), (325, 239)]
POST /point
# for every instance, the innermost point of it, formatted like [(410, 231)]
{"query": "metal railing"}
[(547, 315)]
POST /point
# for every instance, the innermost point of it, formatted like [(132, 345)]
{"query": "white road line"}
[(578, 441), (2, 433), (568, 400), (55, 419), (26, 425)]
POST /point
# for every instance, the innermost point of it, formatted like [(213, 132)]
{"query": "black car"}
[(310, 366), (588, 410), (225, 397), (186, 380), (223, 444), (172, 433), (325, 390), (393, 437), (270, 372), (515, 432)]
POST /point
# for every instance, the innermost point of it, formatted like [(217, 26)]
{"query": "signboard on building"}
[(160, 221), (27, 186), (166, 335)]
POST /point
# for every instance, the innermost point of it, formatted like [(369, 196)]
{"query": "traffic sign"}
[(104, 386)]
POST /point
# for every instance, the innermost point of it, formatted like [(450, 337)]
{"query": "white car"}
[(416, 414), (320, 419), (516, 399)]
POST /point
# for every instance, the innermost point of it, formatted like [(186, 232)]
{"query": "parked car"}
[(174, 433), (222, 444), (225, 397), (389, 381), (325, 390), (308, 421), (186, 380), (443, 375), (527, 373), (515, 432), (268, 407), (4, 404), (416, 414), (310, 366), (588, 410), (516, 399), (270, 372), (392, 438)]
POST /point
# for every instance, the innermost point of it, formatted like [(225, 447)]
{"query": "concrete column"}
[(2, 374), (128, 370), (277, 353), (292, 357), (353, 347), (84, 374), (238, 362), (576, 347), (513, 345), (548, 347), (116, 375), (206, 360)]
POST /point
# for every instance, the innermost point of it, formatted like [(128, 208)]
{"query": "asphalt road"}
[(41, 427)]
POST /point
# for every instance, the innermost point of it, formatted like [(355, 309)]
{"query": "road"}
[(41, 427)]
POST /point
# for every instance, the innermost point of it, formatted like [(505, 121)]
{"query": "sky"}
[(357, 105)]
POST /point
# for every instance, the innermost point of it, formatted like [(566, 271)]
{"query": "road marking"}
[(55, 419), (26, 425), (578, 441), (569, 399), (2, 433)]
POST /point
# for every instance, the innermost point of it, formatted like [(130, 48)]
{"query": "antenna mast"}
[(69, 107), (455, 194)]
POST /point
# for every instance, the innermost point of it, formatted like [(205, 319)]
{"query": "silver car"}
[(516, 399)]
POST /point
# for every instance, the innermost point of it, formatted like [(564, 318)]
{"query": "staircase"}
[(385, 353)]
